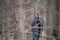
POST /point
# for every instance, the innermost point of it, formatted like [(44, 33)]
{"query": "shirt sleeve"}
[(32, 22), (41, 23)]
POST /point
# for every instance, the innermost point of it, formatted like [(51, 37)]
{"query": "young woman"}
[(37, 23)]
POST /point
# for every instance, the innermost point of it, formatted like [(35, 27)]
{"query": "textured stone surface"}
[(16, 16)]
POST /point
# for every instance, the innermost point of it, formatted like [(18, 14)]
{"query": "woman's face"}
[(36, 16)]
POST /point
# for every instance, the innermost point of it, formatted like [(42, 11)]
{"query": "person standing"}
[(37, 23)]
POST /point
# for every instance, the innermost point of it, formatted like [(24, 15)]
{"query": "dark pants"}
[(36, 37)]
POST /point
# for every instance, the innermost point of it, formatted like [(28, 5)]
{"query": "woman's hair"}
[(37, 13)]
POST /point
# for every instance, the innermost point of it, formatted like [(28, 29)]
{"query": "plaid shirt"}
[(34, 22)]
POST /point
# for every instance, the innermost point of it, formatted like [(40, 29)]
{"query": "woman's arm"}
[(41, 25), (32, 22)]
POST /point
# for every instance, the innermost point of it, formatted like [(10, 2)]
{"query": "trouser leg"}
[(36, 37)]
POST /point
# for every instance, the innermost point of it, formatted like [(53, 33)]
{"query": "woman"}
[(37, 22)]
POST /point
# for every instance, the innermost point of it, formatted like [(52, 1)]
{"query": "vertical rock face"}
[(15, 18), (7, 19), (50, 15), (58, 19)]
